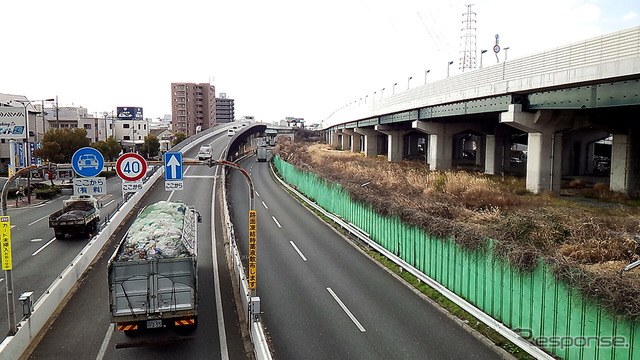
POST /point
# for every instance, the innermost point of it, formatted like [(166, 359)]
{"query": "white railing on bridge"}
[(605, 57)]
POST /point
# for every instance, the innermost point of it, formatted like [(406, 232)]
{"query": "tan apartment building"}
[(193, 107)]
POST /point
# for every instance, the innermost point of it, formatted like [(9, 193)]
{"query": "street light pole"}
[(57, 116), (105, 114), (481, 53), (394, 88), (26, 146), (37, 139), (448, 66), (8, 277), (505, 53), (425, 75), (408, 80)]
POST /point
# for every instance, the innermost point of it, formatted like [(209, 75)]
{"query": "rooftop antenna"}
[(468, 57)]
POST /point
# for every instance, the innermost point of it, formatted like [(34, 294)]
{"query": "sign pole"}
[(5, 245), (5, 249), (11, 307)]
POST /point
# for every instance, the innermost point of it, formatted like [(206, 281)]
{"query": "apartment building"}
[(225, 112), (193, 107)]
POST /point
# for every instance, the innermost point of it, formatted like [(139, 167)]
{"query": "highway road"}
[(38, 258), (82, 329), (323, 298)]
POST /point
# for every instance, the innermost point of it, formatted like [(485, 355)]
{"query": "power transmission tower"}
[(468, 54)]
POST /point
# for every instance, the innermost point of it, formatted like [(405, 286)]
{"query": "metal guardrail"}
[(256, 330), (496, 325)]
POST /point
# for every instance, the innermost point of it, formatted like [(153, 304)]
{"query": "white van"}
[(231, 132), (204, 153)]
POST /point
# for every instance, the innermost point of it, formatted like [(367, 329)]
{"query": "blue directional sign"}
[(87, 162), (172, 166)]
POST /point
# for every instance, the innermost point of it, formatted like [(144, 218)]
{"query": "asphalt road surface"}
[(323, 298)]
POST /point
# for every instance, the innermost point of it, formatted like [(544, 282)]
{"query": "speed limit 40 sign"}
[(131, 167)]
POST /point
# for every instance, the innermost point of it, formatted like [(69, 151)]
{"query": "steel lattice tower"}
[(468, 52)]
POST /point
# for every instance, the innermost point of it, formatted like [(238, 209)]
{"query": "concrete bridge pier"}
[(440, 143), (395, 141), (493, 155), (625, 163), (334, 138), (345, 140), (544, 154), (370, 141), (441, 139), (355, 140)]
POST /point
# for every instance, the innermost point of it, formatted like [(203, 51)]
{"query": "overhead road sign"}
[(87, 162), (173, 179), (172, 166), (131, 167)]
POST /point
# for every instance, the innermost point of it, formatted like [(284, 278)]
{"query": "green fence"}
[(559, 319)]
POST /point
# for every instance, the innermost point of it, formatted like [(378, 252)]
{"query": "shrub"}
[(48, 192)]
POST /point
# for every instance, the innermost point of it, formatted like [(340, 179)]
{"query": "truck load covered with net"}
[(153, 272)]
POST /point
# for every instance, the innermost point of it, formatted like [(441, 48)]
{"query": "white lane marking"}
[(224, 351), (171, 195), (276, 221), (43, 246), (265, 205), (199, 176), (107, 204), (298, 250), (256, 193), (105, 342), (35, 221), (346, 310), (36, 240)]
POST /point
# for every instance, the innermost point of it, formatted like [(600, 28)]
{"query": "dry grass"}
[(469, 208)]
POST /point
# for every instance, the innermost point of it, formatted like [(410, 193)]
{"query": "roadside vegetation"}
[(586, 243)]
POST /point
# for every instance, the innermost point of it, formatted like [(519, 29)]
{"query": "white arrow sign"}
[(173, 166)]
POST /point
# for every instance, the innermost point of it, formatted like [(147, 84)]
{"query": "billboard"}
[(12, 123), (129, 113)]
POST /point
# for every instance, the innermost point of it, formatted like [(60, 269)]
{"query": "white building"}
[(130, 133)]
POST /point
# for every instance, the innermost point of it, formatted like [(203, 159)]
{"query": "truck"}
[(261, 153), (152, 274), (79, 216)]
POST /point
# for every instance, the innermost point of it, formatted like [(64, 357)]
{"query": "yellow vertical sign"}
[(5, 241), (253, 249)]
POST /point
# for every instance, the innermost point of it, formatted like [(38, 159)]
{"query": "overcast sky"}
[(275, 58)]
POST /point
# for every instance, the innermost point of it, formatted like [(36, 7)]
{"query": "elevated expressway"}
[(556, 105)]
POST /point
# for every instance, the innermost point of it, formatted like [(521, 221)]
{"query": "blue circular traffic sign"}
[(87, 162)]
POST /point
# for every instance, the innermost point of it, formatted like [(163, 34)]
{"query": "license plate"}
[(154, 324)]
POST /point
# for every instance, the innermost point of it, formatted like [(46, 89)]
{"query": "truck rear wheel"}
[(131, 333)]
